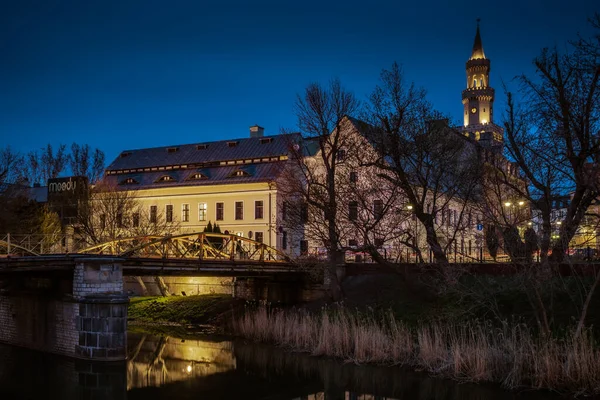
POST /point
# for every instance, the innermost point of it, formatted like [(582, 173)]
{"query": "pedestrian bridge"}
[(190, 246)]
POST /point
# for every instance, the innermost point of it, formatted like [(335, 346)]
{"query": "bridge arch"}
[(197, 246)]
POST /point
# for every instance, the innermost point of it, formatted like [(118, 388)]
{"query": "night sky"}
[(125, 74)]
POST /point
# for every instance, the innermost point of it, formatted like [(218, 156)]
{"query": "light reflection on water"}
[(208, 367)]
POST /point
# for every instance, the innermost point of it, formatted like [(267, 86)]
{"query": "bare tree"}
[(53, 163), (435, 168), (321, 115), (109, 213), (39, 166), (86, 162), (9, 165), (553, 136)]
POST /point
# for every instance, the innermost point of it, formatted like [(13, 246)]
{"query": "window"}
[(284, 240), (353, 211), (219, 212), (128, 181), (353, 176), (172, 149), (135, 220), (166, 178), (239, 172), (378, 242), (232, 144), (258, 209), (202, 147), (119, 220), (303, 213), (185, 212), (341, 155), (239, 210), (102, 221), (352, 242), (378, 209), (169, 212), (153, 214), (303, 246), (258, 237), (201, 211), (197, 176), (265, 140)]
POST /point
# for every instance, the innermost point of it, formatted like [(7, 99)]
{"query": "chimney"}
[(257, 131)]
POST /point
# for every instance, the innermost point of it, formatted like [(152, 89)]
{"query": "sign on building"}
[(65, 194)]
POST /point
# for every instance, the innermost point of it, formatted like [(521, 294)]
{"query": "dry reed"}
[(510, 355)]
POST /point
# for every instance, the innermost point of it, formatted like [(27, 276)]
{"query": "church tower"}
[(478, 100)]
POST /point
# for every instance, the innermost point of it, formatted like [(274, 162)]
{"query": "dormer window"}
[(172, 149), (239, 173), (165, 178), (202, 147), (125, 154), (232, 144), (265, 140), (129, 181), (197, 176)]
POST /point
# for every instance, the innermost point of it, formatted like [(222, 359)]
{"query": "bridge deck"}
[(151, 266)]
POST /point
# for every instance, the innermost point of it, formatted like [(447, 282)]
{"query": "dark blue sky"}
[(123, 74)]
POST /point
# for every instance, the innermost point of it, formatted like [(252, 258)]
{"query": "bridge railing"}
[(198, 246)]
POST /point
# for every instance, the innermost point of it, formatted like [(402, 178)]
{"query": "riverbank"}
[(511, 355), (182, 315)]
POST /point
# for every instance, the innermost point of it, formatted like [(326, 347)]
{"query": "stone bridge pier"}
[(76, 308)]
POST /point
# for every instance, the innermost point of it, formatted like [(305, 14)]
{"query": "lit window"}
[(201, 211), (129, 181), (165, 178), (197, 176)]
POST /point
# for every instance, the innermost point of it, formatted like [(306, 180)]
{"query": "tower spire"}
[(477, 45)]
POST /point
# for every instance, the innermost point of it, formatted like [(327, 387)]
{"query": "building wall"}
[(228, 194)]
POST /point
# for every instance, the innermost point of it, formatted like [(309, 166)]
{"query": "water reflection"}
[(156, 361), (162, 367)]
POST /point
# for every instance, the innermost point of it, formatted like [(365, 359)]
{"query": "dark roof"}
[(205, 153), (262, 172)]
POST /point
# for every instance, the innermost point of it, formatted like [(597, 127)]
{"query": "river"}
[(208, 367)]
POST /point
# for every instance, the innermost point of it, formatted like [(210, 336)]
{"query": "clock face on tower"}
[(473, 110)]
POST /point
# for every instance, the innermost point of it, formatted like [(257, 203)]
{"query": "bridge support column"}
[(101, 322)]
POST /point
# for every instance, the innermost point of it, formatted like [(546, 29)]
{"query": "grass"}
[(512, 355), (182, 310)]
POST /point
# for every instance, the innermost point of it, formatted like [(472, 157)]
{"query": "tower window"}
[(474, 82), (484, 109)]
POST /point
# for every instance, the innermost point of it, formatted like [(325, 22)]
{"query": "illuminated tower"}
[(478, 100)]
